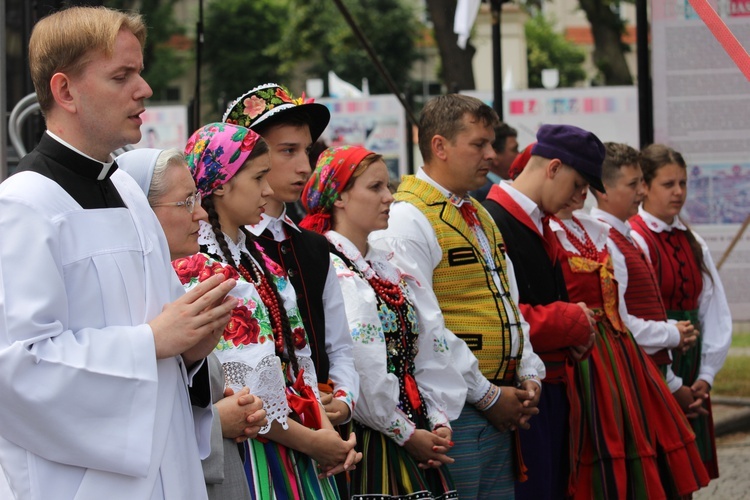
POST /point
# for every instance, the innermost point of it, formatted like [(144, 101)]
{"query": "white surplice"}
[(87, 411)]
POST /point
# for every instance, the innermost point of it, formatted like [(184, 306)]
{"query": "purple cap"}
[(575, 147)]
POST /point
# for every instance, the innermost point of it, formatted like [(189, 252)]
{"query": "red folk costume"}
[(643, 295), (688, 295), (630, 438)]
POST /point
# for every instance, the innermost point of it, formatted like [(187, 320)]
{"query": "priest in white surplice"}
[(96, 374)]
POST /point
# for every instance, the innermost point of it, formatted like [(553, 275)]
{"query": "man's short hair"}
[(443, 115), (502, 132), (616, 156), (62, 41)]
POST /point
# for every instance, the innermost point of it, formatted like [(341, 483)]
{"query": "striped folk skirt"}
[(629, 437), (277, 472), (387, 471)]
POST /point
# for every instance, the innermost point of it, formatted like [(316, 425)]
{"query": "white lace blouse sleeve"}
[(439, 381), (246, 349), (716, 320), (339, 345)]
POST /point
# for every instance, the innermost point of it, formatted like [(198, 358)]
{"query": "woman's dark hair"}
[(654, 157), (213, 219)]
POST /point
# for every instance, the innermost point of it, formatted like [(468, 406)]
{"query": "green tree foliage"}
[(317, 36), (239, 37), (162, 63), (547, 49)]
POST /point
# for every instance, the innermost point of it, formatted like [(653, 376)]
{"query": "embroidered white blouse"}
[(246, 350), (377, 406)]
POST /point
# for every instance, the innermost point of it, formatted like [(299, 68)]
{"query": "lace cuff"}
[(265, 381), (310, 376)]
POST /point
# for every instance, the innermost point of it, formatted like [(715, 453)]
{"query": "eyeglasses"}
[(189, 203)]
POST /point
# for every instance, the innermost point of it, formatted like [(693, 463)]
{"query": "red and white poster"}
[(702, 109)]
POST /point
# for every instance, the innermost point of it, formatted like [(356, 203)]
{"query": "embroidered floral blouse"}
[(246, 349), (378, 404)]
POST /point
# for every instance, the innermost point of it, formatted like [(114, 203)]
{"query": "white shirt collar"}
[(657, 225), (105, 166), (274, 224), (527, 204), (623, 227)]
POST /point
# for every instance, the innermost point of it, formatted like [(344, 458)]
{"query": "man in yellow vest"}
[(450, 244)]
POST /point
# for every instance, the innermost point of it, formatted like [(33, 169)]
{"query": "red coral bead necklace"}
[(585, 247), (270, 300)]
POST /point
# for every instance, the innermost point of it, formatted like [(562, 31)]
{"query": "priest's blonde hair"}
[(62, 42)]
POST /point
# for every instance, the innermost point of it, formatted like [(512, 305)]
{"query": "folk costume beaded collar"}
[(579, 238)]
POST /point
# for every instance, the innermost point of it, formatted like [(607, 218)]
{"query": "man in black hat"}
[(290, 127), (564, 162)]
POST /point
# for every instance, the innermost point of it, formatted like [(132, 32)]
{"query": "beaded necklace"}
[(585, 247), (270, 300), (390, 292), (400, 336)]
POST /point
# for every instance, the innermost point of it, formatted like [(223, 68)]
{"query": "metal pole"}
[(645, 94), (409, 138), (375, 60), (496, 7), (198, 59), (3, 98)]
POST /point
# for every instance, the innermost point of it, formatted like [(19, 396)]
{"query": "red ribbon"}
[(304, 403), (469, 213), (412, 392)]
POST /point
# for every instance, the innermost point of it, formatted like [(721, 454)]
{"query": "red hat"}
[(519, 163)]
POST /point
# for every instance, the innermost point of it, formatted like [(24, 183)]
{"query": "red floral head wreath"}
[(332, 173)]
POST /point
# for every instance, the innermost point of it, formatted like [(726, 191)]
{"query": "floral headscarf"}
[(272, 100), (334, 169), (215, 152)]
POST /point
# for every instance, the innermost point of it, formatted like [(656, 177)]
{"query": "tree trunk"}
[(609, 50), (456, 68)]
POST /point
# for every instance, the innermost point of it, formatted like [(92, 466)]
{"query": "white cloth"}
[(463, 22), (87, 410), (713, 308), (377, 407), (140, 164), (416, 251), (255, 364), (338, 343)]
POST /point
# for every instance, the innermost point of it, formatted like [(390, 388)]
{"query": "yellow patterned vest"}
[(471, 303)]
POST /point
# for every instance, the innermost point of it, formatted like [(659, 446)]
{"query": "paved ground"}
[(734, 468)]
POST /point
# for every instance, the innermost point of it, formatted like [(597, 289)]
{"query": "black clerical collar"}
[(83, 165), (75, 173)]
